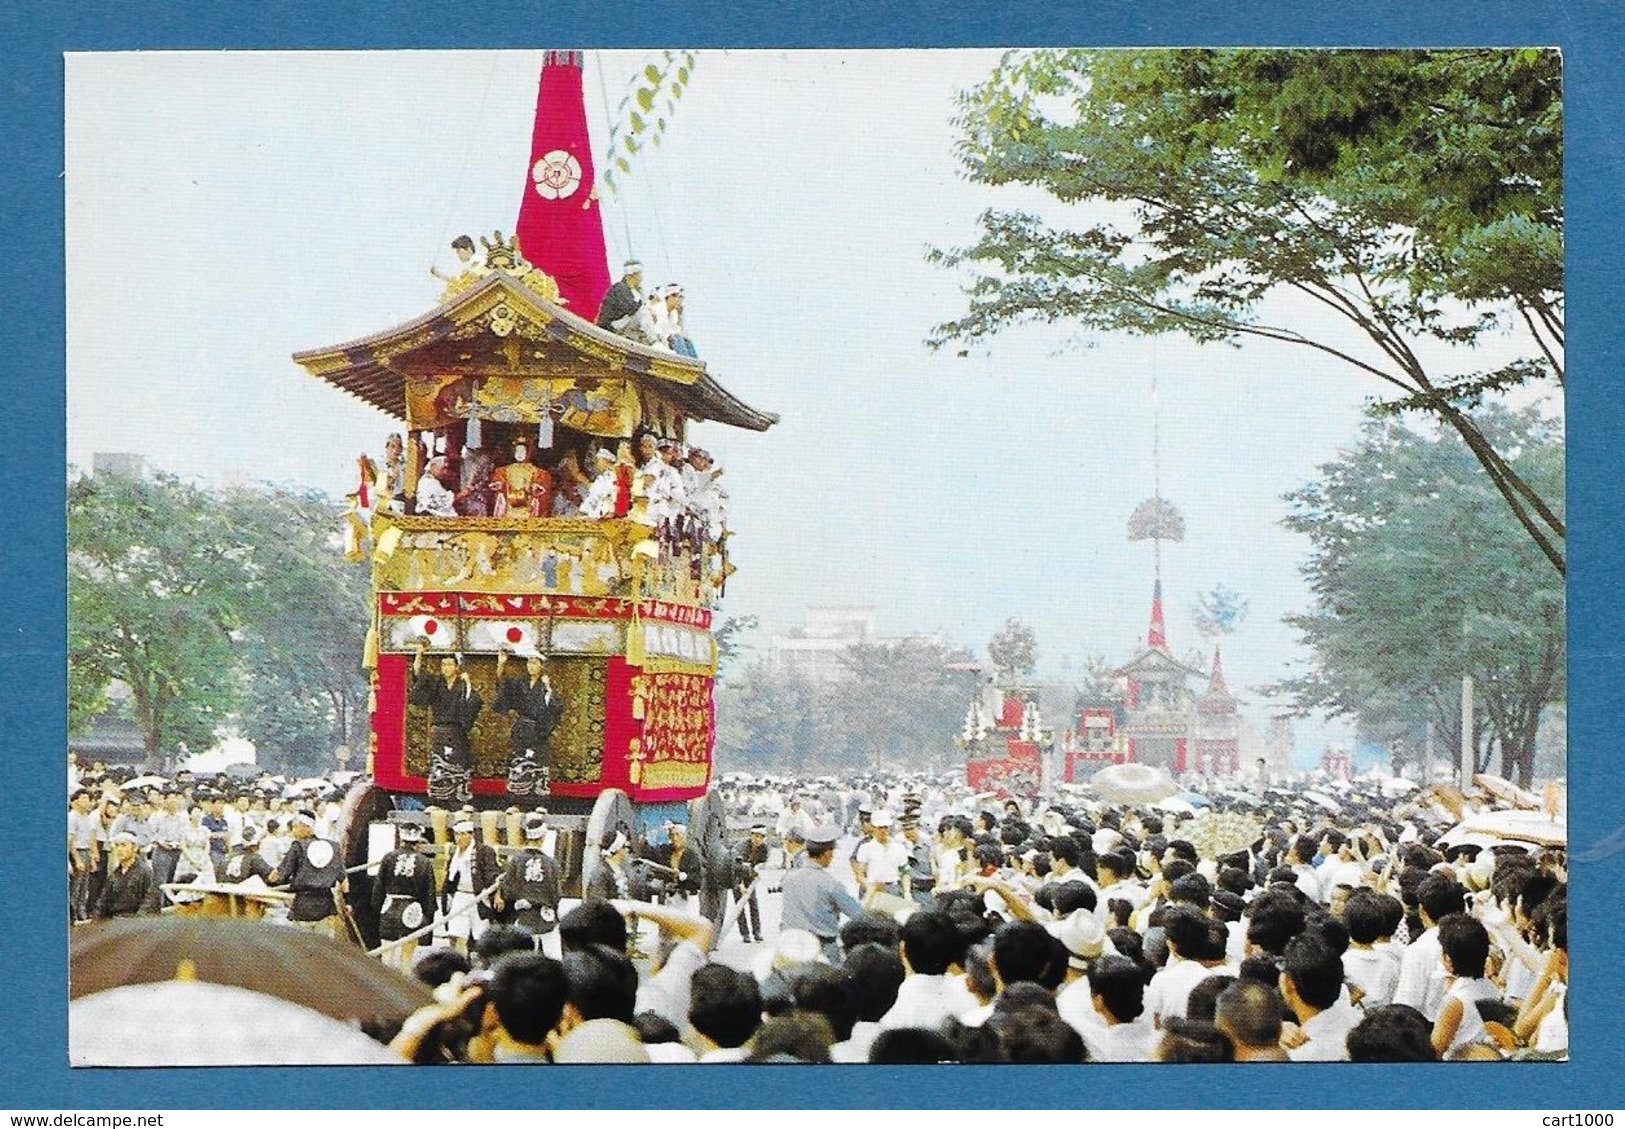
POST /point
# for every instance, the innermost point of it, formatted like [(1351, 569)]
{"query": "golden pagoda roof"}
[(500, 326)]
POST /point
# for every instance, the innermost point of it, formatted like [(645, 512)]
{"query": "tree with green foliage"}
[(1013, 651), (1412, 199), (155, 577), (729, 635), (773, 719), (899, 704), (304, 612), (1418, 581), (894, 705)]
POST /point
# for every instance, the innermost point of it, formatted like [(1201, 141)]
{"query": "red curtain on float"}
[(674, 735)]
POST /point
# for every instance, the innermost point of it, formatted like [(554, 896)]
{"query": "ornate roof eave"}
[(1158, 657), (372, 368)]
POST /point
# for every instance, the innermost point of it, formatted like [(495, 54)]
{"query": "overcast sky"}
[(227, 209)]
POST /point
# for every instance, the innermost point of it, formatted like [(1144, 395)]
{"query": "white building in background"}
[(815, 651)]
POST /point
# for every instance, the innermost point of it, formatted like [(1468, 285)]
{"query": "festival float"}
[(511, 366)]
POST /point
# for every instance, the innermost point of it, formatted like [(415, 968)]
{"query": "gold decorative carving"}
[(592, 347), (676, 373)]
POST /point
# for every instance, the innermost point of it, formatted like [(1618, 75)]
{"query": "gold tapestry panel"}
[(576, 749)]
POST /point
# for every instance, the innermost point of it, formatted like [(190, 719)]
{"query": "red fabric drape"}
[(561, 226)]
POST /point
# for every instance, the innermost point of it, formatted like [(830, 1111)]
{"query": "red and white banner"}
[(561, 226)]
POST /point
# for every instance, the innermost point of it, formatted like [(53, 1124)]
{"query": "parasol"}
[(1133, 784), (310, 783), (1324, 801), (145, 782), (1501, 789), (188, 1023), (1175, 805), (303, 968), (1529, 828)]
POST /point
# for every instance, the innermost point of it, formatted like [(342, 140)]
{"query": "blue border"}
[(34, 1072)]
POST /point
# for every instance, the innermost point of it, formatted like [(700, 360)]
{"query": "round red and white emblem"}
[(557, 175)]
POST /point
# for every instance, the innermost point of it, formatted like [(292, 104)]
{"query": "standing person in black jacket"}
[(536, 709), (403, 895), (453, 706)]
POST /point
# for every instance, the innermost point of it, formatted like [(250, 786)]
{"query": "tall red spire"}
[(1216, 682), (561, 226), (1158, 635)]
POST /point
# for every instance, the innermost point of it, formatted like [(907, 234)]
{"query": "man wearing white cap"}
[(536, 710), (403, 894), (472, 868), (128, 889), (677, 339), (621, 303), (314, 870), (530, 881), (600, 500), (434, 497), (879, 863)]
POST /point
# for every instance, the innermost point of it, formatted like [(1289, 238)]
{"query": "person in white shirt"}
[(1115, 879), (928, 995), (1196, 945), (1248, 1012), (1343, 866), (1312, 984), (1303, 867), (1370, 969), (600, 500), (1117, 993), (879, 863), (948, 862), (705, 502), (1422, 977), (1464, 949), (724, 1011), (435, 498), (877, 975)]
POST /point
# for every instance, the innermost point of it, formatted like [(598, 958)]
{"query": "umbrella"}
[(319, 783), (241, 769), (187, 1023), (1397, 786), (1499, 787), (1323, 800), (317, 972), (1525, 827), (1175, 804), (146, 782), (1133, 784), (1195, 799)]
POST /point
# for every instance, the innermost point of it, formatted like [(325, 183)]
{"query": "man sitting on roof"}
[(619, 309), (676, 336), (463, 246)]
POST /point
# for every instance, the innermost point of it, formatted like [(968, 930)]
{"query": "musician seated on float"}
[(674, 335), (609, 496), (623, 302), (435, 497)]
